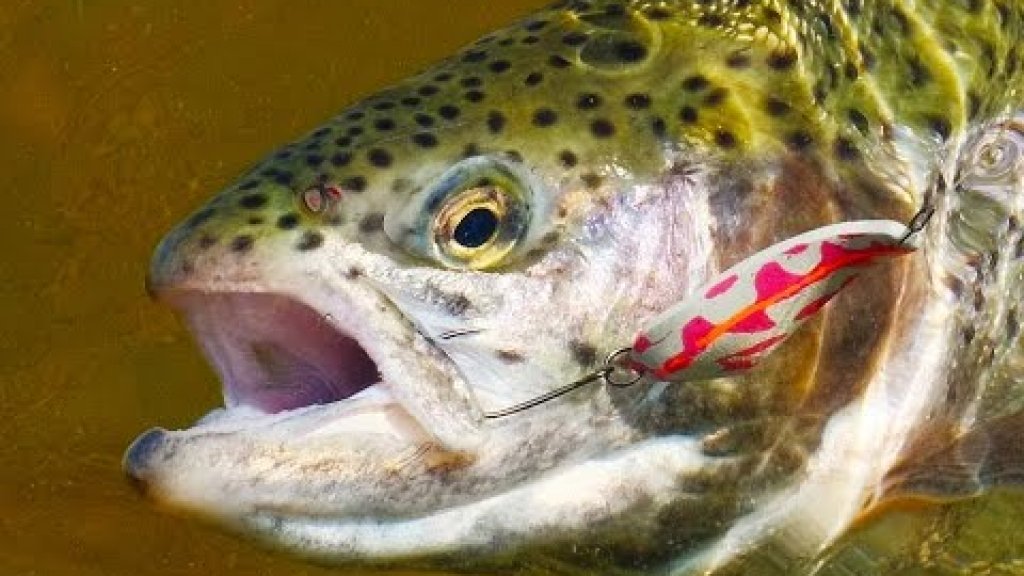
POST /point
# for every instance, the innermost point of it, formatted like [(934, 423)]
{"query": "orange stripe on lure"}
[(750, 309)]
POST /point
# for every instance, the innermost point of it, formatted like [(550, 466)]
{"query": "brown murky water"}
[(116, 118)]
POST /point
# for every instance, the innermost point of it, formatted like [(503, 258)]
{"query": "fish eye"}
[(476, 227), (476, 215)]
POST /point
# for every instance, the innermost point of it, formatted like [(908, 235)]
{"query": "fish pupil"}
[(476, 228)]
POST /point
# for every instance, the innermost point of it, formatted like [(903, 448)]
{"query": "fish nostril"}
[(137, 457)]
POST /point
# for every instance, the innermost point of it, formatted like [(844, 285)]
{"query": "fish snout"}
[(138, 457)]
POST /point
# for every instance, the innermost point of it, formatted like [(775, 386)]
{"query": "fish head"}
[(487, 232)]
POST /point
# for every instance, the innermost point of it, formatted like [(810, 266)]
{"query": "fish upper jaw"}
[(284, 333)]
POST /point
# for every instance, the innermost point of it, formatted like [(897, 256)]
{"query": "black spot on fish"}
[(557, 61), (424, 120), (207, 241), (858, 119), (533, 79), (695, 83), (782, 59), (454, 304), (973, 104), (341, 159), (725, 139), (495, 122), (371, 223), (738, 61), (474, 96), (602, 128), (799, 141), (918, 74), (711, 20), (688, 114), (425, 140), (657, 13), (940, 126), (253, 201), (851, 71), (380, 158), (241, 244), (589, 101), (567, 158), (591, 180), (630, 51), (354, 184), (310, 240), (545, 117), (638, 101), (585, 354), (775, 107), (449, 112), (574, 39), (846, 150), (535, 26), (510, 356), (384, 125), (658, 126), (868, 58), (615, 10), (288, 221), (499, 66), (716, 97)]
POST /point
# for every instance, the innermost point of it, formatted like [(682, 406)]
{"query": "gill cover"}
[(742, 314)]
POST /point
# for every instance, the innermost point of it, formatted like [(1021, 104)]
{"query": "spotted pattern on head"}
[(586, 85)]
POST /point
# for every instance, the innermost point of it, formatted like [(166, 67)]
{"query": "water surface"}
[(117, 117)]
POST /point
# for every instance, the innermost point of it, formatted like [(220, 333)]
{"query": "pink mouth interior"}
[(275, 354)]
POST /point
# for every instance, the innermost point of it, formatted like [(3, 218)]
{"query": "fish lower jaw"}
[(373, 411)]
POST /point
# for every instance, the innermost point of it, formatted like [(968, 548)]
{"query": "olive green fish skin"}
[(654, 142), (583, 86)]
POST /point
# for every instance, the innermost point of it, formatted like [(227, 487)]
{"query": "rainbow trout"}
[(487, 231)]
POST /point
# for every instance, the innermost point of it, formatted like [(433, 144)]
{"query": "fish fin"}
[(948, 463)]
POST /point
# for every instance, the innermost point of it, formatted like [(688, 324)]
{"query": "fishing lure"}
[(743, 314)]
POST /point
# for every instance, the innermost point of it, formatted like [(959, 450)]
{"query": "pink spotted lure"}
[(749, 310), (746, 312)]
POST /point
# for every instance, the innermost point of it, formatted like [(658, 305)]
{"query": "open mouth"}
[(274, 354)]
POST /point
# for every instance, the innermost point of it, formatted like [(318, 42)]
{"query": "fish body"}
[(486, 231)]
